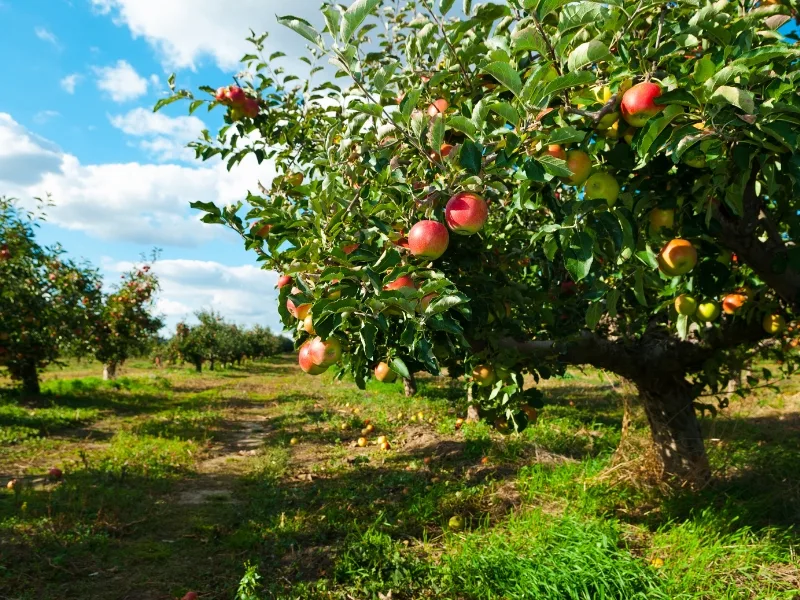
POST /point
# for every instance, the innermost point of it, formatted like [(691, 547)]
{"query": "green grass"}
[(176, 481)]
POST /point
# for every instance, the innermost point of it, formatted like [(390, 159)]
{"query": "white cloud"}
[(43, 116), (46, 35), (184, 32), (69, 82), (162, 136), (147, 204), (242, 294), (121, 81)]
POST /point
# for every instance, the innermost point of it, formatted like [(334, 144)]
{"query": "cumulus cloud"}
[(243, 294), (69, 82), (121, 81), (184, 32), (159, 135), (147, 204)]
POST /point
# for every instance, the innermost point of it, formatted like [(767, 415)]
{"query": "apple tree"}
[(514, 188), (47, 301), (125, 324)]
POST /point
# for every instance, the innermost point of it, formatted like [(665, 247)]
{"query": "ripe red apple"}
[(556, 151), (445, 150), (601, 186), (677, 257), (404, 281), (250, 107), (384, 373), (349, 248), (308, 324), (235, 95), (686, 305), (261, 229), (439, 106), (483, 375), (426, 300), (284, 280), (733, 302), (466, 213), (428, 239), (221, 95), (298, 312), (662, 217), (307, 363), (580, 164), (55, 473), (638, 103), (325, 352)]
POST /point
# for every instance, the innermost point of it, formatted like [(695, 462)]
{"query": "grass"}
[(176, 481)]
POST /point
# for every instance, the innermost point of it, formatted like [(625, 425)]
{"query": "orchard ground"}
[(173, 481)]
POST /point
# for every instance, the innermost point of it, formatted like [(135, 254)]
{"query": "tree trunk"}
[(473, 415), (198, 366), (676, 432), (30, 379), (211, 364), (110, 371), (410, 386)]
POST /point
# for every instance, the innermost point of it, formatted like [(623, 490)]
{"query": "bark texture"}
[(30, 379), (110, 371), (410, 386)]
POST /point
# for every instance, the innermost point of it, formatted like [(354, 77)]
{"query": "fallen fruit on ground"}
[(362, 441), (456, 523)]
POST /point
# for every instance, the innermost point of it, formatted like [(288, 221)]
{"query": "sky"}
[(76, 122)]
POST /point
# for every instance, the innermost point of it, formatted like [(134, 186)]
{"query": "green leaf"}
[(611, 302), (410, 101), (437, 133), (444, 303), (354, 16), (302, 27), (586, 54), (765, 54), (445, 6), (505, 110), (467, 7), (165, 101), (554, 166), (579, 256), (547, 6), (736, 96), (704, 70), (399, 367), (333, 19), (566, 135), (683, 326), (462, 124), (638, 286), (593, 314), (653, 129), (470, 157), (570, 80), (678, 96), (368, 334), (528, 39), (505, 74)]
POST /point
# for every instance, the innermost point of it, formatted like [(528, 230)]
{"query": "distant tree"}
[(125, 325), (47, 302)]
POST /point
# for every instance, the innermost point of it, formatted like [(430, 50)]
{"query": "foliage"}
[(47, 302)]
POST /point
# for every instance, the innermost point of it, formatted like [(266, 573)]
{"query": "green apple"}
[(708, 311)]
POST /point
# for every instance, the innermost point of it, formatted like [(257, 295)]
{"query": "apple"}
[(13, 484), (445, 150), (221, 94), (530, 412), (325, 353), (662, 218), (308, 324), (294, 179), (694, 158), (250, 107), (384, 373), (708, 311), (349, 248), (402, 282), (384, 445), (261, 229), (677, 257), (580, 164), (293, 442), (686, 305), (556, 151), (774, 324), (235, 95), (455, 523), (362, 441), (733, 302), (55, 473), (725, 257), (426, 301), (601, 186), (459, 423), (466, 213), (607, 121), (298, 312), (483, 375), (307, 363), (439, 106), (628, 135), (428, 239), (190, 596), (638, 103), (283, 280)]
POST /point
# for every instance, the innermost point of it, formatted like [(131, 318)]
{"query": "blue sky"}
[(76, 122)]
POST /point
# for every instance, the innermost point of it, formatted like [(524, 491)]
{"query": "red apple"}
[(428, 239), (733, 302), (306, 361), (662, 217), (466, 213), (556, 151), (580, 164), (261, 229), (250, 107), (325, 353), (221, 95), (55, 473), (405, 281), (445, 150), (284, 280), (384, 373), (677, 257), (439, 106), (426, 300), (298, 312), (235, 95), (349, 248), (638, 103)]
